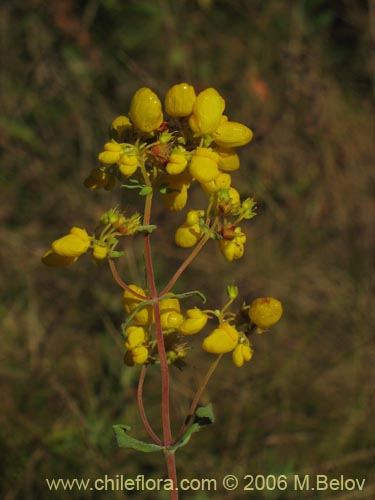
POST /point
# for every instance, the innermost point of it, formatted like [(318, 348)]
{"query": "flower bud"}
[(99, 253), (177, 198), (52, 259), (242, 353), (207, 112), (111, 154), (120, 124), (222, 181), (234, 248), (179, 100), (189, 233), (139, 355), (232, 135), (145, 110), (265, 312)]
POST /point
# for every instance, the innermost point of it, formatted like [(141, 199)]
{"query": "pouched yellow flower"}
[(207, 112), (265, 312), (222, 181), (111, 154), (179, 185), (135, 336), (97, 179), (145, 315), (128, 164), (52, 259), (179, 100), (204, 165), (145, 110), (137, 356), (170, 314), (177, 163), (223, 339), (228, 160), (99, 253), (194, 322), (189, 233), (73, 244), (233, 249), (232, 135), (242, 353), (140, 355)]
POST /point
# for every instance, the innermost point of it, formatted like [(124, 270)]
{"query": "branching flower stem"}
[(142, 410)]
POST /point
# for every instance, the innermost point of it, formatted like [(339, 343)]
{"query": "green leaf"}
[(125, 441), (203, 416)]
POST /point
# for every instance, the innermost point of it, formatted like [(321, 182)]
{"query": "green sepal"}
[(145, 190), (125, 441), (203, 416)]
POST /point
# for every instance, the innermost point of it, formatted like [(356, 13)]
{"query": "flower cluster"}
[(194, 142), (140, 344), (230, 336)]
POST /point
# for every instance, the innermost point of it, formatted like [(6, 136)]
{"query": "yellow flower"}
[(135, 336), (207, 112), (195, 322), (128, 164), (242, 353), (179, 185), (223, 339), (223, 180), (177, 163), (140, 355), (228, 160), (265, 312), (204, 165), (130, 302), (73, 244), (179, 100), (232, 135), (170, 314), (234, 248), (145, 110), (111, 154), (189, 233)]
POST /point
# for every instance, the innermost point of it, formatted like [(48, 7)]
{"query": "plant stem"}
[(198, 396), (141, 407), (165, 403), (121, 283)]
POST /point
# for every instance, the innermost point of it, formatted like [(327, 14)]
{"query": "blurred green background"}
[(300, 74)]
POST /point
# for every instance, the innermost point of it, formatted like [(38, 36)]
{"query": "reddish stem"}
[(142, 409), (121, 283)]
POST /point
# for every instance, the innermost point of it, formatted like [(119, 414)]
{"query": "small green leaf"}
[(125, 441), (203, 416)]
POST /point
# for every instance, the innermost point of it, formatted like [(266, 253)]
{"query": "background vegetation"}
[(299, 73)]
